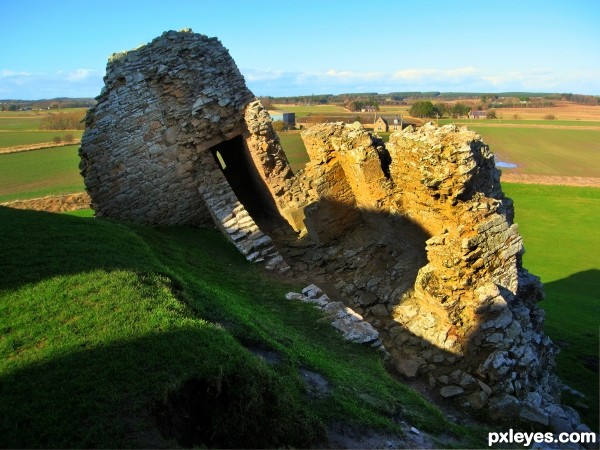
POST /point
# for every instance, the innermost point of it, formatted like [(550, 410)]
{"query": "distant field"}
[(524, 123), (19, 123), (39, 114), (23, 127), (14, 138), (40, 172), (540, 151), (303, 111), (562, 111), (560, 230)]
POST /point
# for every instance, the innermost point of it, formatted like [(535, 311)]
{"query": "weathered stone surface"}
[(451, 391), (149, 151)]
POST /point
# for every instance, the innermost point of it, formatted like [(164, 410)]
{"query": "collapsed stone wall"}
[(428, 252), (416, 234)]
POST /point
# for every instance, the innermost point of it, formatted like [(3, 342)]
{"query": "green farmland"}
[(543, 151), (20, 123), (38, 173)]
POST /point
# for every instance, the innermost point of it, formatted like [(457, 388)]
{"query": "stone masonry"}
[(146, 152), (415, 235)]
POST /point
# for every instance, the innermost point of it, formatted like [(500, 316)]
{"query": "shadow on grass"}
[(572, 319), (37, 245), (214, 395)]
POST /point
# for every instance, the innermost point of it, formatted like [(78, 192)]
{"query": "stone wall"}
[(415, 235), (432, 258), (148, 150)]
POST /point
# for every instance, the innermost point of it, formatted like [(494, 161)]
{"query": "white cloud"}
[(434, 74), (4, 73), (63, 83), (262, 74), (351, 75), (79, 74)]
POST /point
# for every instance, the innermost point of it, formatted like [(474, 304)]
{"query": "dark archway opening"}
[(235, 162)]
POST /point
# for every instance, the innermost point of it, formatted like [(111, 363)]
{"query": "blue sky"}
[(303, 47)]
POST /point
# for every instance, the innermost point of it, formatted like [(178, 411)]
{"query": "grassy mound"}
[(113, 335)]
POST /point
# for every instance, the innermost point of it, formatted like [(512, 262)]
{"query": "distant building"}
[(288, 118), (381, 125), (368, 108), (477, 115)]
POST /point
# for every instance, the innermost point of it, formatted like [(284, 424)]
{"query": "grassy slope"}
[(100, 321), (559, 227), (39, 172)]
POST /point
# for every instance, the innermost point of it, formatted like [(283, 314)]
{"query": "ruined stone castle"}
[(415, 234)]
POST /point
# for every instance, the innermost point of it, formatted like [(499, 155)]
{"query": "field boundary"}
[(554, 180), (53, 203), (27, 148)]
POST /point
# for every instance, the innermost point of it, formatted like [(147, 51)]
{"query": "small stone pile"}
[(351, 324)]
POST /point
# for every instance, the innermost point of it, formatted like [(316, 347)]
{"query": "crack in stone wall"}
[(415, 235)]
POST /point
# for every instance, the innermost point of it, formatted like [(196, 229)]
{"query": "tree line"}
[(64, 121), (426, 109)]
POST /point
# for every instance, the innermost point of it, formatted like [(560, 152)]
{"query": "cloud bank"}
[(38, 85), (465, 79), (85, 82)]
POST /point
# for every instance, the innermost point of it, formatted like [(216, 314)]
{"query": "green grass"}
[(560, 230), (20, 123), (293, 146), (14, 138), (101, 323), (539, 151), (38, 173)]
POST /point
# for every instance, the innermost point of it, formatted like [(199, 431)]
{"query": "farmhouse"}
[(477, 115), (416, 235), (381, 125)]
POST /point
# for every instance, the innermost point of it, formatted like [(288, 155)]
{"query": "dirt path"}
[(551, 180)]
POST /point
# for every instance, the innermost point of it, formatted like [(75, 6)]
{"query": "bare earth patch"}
[(26, 148), (57, 203), (551, 180)]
